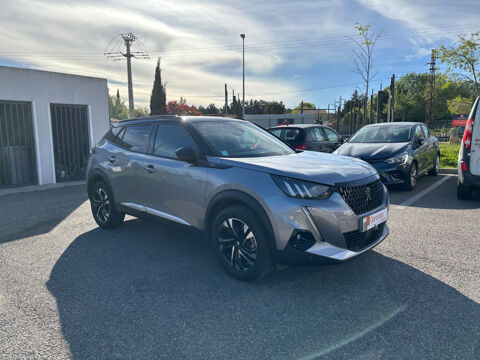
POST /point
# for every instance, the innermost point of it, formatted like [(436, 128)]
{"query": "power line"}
[(252, 47)]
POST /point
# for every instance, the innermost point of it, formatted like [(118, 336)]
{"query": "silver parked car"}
[(257, 200)]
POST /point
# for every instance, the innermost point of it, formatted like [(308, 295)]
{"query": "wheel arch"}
[(231, 197), (95, 176)]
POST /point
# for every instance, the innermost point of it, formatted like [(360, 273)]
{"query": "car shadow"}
[(45, 210), (151, 290)]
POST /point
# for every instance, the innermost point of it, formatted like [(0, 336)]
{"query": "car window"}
[(332, 135), (426, 132), (418, 134), (170, 138), (319, 134), (382, 134), (135, 138), (276, 132), (112, 134), (242, 139), (290, 134)]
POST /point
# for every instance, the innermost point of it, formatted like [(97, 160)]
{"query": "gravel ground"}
[(69, 290)]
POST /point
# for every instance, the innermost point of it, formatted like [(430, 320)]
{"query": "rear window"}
[(112, 134), (135, 138), (288, 134)]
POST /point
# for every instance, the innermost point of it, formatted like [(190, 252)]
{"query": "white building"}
[(48, 122)]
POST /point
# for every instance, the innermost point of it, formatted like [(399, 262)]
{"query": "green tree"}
[(141, 112), (209, 110), (274, 107), (459, 105), (158, 100), (117, 108), (463, 58), (306, 106)]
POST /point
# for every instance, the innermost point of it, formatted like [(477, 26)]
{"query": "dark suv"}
[(308, 137)]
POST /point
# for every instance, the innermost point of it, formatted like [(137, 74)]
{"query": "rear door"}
[(431, 150), (420, 150), (124, 164), (322, 142), (334, 140), (475, 147)]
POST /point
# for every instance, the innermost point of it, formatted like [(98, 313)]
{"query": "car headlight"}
[(400, 159), (301, 189)]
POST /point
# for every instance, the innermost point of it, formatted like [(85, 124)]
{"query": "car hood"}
[(372, 151), (319, 167)]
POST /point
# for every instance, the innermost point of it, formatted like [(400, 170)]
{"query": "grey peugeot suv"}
[(258, 201)]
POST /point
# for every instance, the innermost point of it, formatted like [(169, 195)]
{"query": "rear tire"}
[(463, 192), (103, 207), (241, 243), (436, 166), (411, 181)]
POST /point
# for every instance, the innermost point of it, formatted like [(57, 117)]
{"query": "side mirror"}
[(420, 141), (187, 154)]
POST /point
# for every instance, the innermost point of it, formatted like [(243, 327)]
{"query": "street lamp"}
[(243, 65)]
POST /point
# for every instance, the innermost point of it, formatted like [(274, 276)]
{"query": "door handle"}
[(150, 168), (112, 158)]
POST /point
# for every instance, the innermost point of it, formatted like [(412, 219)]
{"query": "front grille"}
[(357, 240), (363, 198)]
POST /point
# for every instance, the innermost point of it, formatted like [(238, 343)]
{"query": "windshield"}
[(382, 134), (240, 139)]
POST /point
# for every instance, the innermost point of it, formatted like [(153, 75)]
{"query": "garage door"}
[(17, 145), (70, 141)]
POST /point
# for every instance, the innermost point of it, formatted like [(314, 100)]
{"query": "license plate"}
[(375, 219)]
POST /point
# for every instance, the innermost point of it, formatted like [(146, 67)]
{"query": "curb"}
[(447, 171), (31, 188)]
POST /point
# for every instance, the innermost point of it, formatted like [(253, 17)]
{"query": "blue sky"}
[(294, 50)]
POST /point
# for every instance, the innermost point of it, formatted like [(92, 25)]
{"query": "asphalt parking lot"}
[(149, 290)]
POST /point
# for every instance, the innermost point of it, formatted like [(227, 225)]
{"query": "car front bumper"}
[(392, 174), (331, 225)]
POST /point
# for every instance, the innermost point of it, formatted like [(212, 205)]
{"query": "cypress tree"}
[(158, 100)]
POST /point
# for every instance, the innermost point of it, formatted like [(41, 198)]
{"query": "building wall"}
[(42, 88)]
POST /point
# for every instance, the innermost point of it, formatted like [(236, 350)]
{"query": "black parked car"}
[(311, 137), (399, 151)]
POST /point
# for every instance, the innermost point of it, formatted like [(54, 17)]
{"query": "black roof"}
[(410, 123), (159, 118), (303, 126)]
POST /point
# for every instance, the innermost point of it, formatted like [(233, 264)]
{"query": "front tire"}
[(411, 180), (436, 166), (103, 207), (463, 192), (241, 244)]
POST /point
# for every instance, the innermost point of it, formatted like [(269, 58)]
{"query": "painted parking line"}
[(424, 192)]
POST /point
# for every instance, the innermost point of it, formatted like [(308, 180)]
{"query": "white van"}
[(469, 155)]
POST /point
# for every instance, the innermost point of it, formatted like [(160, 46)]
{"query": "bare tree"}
[(362, 57)]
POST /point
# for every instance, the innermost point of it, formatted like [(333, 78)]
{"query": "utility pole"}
[(243, 66), (379, 96), (391, 99), (328, 114), (128, 39), (338, 117), (351, 119), (431, 89), (301, 108), (370, 121), (226, 100)]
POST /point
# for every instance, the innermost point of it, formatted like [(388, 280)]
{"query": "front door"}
[(174, 189)]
